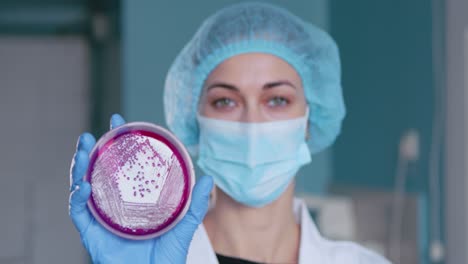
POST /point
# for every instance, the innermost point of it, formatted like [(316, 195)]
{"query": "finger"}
[(78, 211), (80, 160), (116, 121), (86, 142), (79, 167), (180, 237), (200, 199)]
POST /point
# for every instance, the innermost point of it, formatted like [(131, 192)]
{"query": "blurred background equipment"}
[(67, 65)]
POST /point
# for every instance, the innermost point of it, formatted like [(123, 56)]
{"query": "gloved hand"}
[(105, 247)]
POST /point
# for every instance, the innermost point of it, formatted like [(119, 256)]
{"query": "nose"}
[(252, 114)]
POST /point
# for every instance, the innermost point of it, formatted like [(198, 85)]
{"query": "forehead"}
[(249, 68)]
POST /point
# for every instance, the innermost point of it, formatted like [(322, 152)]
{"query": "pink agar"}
[(131, 196)]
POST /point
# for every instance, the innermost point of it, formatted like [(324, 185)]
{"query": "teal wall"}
[(153, 34), (388, 86), (388, 80)]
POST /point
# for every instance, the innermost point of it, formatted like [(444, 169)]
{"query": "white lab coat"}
[(313, 247)]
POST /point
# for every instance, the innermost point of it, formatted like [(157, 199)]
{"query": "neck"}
[(267, 234)]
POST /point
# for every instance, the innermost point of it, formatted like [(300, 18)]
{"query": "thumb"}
[(185, 229), (116, 121), (200, 199)]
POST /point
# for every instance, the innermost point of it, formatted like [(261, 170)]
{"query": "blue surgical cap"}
[(264, 28)]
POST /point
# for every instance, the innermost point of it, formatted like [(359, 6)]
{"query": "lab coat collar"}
[(201, 251), (310, 237)]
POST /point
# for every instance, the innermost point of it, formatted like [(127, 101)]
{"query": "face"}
[(253, 87)]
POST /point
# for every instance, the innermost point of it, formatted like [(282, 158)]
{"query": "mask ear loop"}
[(307, 112), (212, 199), (307, 132)]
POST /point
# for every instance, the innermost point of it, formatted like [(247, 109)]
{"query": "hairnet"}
[(257, 27)]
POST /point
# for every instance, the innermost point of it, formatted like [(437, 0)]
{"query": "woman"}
[(252, 95)]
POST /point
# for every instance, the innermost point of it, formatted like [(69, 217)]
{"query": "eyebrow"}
[(278, 83), (222, 85), (265, 87)]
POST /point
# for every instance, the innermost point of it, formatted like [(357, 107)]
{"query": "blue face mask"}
[(253, 163)]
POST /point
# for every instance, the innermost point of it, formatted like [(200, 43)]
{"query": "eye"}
[(277, 101), (223, 103)]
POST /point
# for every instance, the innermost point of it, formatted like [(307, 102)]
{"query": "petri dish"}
[(141, 178)]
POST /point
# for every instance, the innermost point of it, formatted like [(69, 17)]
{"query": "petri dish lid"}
[(141, 178)]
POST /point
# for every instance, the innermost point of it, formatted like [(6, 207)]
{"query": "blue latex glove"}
[(105, 247)]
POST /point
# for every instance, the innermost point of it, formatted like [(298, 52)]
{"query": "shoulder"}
[(316, 247), (349, 252)]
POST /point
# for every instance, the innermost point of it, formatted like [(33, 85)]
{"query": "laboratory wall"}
[(391, 80), (456, 169), (386, 50), (43, 106), (56, 66)]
